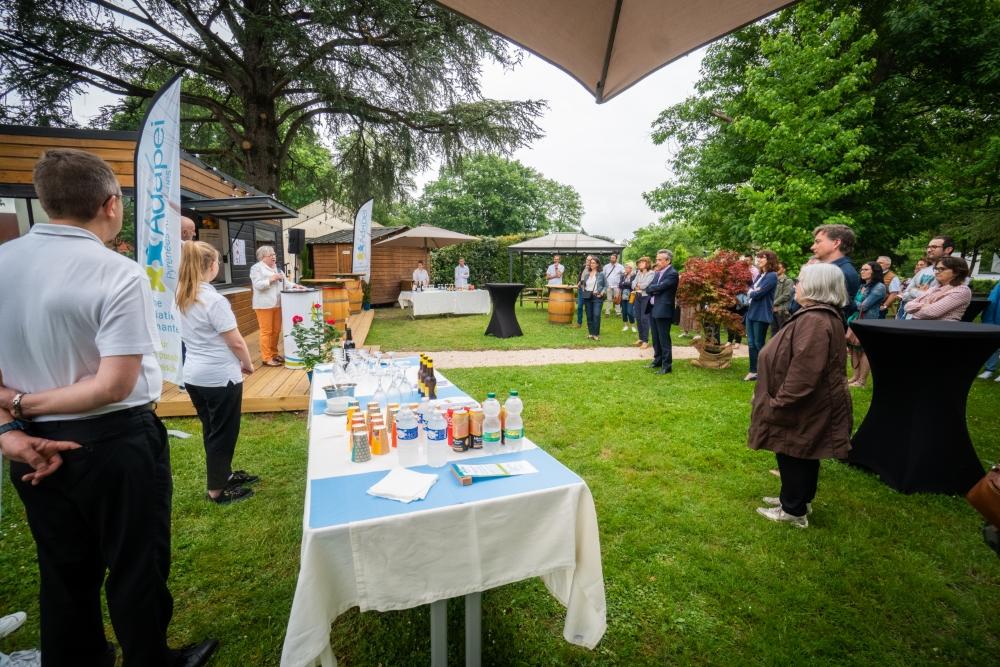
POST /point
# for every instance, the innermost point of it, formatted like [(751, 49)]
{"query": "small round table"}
[(503, 323), (914, 435)]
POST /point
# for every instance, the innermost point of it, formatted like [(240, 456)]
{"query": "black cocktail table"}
[(976, 306), (504, 323), (914, 435)]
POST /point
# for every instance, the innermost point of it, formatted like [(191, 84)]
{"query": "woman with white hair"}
[(267, 281), (801, 404)]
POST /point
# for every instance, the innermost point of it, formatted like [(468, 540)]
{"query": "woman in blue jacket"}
[(593, 285), (870, 296), (760, 311)]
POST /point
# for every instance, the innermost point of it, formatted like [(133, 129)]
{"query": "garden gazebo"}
[(562, 243)]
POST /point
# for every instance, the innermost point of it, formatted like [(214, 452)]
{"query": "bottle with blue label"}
[(437, 440), (407, 438), (513, 430)]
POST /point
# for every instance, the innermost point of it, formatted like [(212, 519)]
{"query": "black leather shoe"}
[(195, 655), (664, 371)]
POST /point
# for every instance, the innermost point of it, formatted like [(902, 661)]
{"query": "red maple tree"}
[(710, 286)]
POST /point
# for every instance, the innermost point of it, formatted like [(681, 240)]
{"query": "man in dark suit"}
[(661, 307)]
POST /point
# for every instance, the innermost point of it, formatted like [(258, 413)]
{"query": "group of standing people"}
[(642, 295), (802, 405)]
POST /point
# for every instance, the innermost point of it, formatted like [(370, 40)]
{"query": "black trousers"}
[(105, 511), (219, 410), (799, 478), (663, 354)]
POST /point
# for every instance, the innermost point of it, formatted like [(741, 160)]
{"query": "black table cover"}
[(914, 435), (504, 323), (976, 306)]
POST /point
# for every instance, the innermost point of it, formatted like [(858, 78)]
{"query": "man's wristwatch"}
[(15, 405), (11, 426)]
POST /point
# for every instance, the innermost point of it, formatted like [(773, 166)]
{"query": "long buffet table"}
[(445, 302), (378, 554)]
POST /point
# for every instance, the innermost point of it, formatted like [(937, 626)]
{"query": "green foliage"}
[(982, 285), (488, 195), (881, 116), (682, 239), (388, 83), (810, 109), (488, 262)]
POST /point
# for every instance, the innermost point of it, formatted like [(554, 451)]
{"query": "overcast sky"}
[(602, 150)]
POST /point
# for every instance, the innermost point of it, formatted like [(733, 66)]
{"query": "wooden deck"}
[(269, 389)]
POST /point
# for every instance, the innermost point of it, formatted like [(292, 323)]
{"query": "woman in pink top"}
[(947, 300)]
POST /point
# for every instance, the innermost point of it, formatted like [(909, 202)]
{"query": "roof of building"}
[(347, 235)]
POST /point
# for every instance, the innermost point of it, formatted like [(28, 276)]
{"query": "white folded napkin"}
[(403, 485)]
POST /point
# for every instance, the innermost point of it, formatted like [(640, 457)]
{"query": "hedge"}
[(487, 262)]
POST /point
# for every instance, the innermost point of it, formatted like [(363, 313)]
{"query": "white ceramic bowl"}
[(337, 405)]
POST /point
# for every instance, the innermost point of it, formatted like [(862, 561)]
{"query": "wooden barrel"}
[(562, 304), (354, 293), (336, 306)]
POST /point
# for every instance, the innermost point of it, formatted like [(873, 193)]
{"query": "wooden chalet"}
[(391, 266), (227, 213)]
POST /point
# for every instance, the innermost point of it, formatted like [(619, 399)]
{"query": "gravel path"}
[(478, 358)]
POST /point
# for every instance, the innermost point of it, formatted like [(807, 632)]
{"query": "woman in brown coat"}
[(801, 404)]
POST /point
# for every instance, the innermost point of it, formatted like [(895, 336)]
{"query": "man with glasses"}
[(661, 306), (90, 460), (938, 247)]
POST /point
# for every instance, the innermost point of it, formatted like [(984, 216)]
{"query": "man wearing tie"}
[(661, 307)]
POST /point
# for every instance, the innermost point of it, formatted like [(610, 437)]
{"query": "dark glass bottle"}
[(431, 381), (348, 340)]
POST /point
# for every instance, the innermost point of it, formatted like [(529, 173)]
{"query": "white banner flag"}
[(362, 260), (158, 217)]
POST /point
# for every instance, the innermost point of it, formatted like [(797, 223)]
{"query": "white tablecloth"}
[(383, 555), (442, 302)]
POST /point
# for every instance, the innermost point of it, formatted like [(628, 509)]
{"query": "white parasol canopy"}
[(609, 45), (427, 236)]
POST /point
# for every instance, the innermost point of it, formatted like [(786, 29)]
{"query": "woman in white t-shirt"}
[(217, 357)]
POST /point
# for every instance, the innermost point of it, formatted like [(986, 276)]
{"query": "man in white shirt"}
[(461, 274), (90, 459), (420, 277), (613, 274), (937, 247), (554, 273)]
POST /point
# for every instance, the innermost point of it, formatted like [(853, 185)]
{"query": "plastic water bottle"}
[(423, 414), (513, 429), (491, 424), (437, 440), (407, 438)]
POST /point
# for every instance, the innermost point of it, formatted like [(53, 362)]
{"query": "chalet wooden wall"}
[(242, 303), (21, 149), (389, 266)]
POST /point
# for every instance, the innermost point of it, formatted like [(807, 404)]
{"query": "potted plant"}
[(315, 338), (710, 286)]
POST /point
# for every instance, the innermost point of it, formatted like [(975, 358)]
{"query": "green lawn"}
[(693, 575), (393, 329)]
